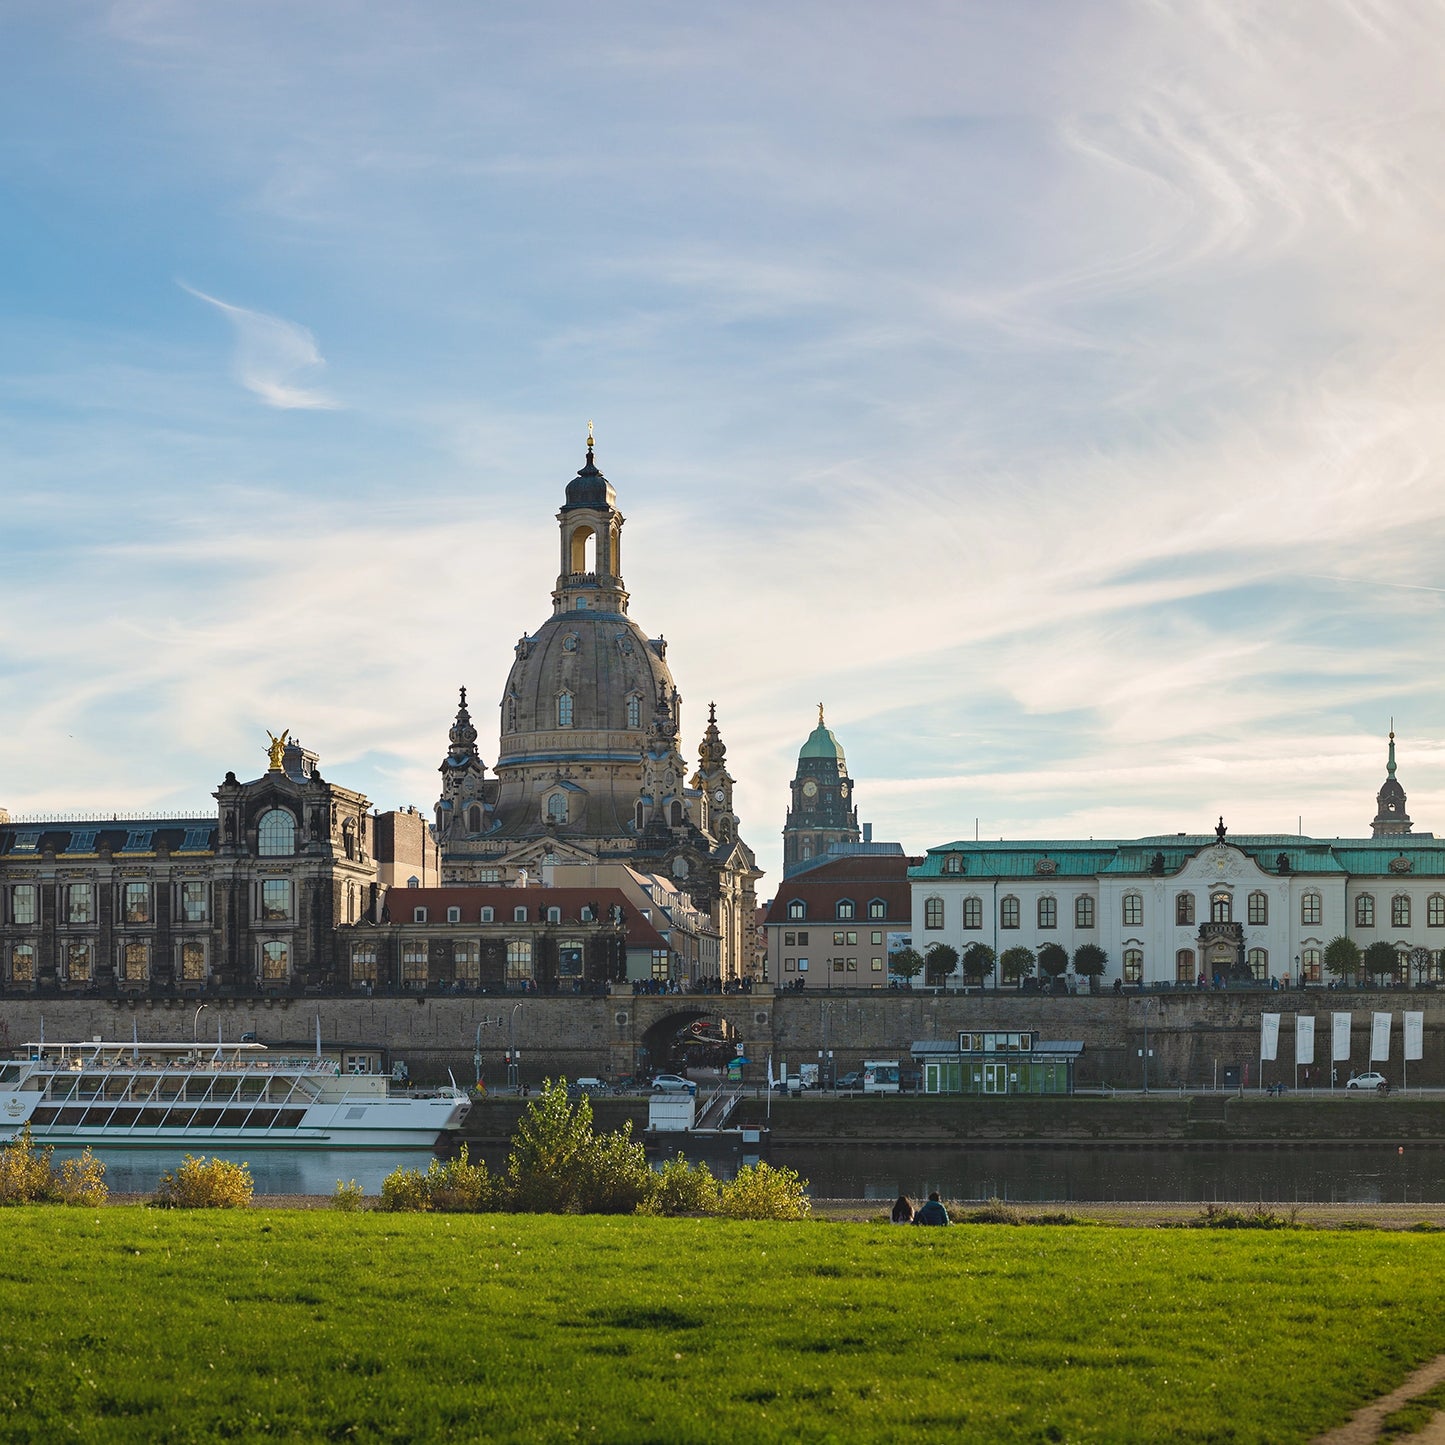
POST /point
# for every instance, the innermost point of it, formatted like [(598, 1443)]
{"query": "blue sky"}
[(1054, 390)]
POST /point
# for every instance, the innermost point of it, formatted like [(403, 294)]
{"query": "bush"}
[(552, 1141), (452, 1186), (349, 1197), (761, 1192), (994, 1211), (82, 1181), (25, 1173), (1221, 1216), (681, 1188), (613, 1175), (205, 1184), (28, 1177)]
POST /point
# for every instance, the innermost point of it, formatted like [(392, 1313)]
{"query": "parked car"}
[(1368, 1081), (851, 1081), (672, 1084), (793, 1084)]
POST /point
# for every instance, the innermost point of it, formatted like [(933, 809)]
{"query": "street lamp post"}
[(514, 1058), (196, 1025)]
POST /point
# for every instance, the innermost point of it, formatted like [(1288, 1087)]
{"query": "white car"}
[(672, 1084), (1368, 1081)]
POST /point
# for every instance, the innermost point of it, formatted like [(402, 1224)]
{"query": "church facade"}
[(590, 768), (1182, 909)]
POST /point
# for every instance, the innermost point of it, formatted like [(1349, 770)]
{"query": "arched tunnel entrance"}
[(688, 1038)]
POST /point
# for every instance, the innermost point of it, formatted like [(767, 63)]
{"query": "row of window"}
[(844, 909), (842, 938), (78, 960), (1221, 910), (488, 914), (135, 903), (467, 961)]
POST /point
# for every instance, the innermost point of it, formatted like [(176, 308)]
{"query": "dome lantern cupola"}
[(590, 579), (1391, 819)]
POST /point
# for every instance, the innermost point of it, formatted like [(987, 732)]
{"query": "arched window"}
[(1133, 910), (1133, 965), (1008, 911), (676, 814), (972, 913), (1084, 911), (933, 913), (276, 834), (953, 863), (1311, 909), (22, 963), (275, 962), (564, 709), (1259, 962), (1258, 909), (1184, 966), (474, 819), (1048, 912), (845, 908), (1310, 965), (511, 712), (1435, 911), (557, 808), (1400, 911), (1365, 910), (634, 711), (1221, 907), (1184, 911)]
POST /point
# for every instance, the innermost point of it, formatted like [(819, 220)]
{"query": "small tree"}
[(1380, 959), (978, 962), (1342, 957), (906, 964), (941, 961), (1016, 963), (549, 1148), (1090, 961), (1053, 959)]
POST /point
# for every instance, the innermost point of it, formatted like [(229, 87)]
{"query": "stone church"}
[(589, 766)]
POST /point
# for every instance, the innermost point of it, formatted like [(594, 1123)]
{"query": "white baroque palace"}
[(1182, 908)]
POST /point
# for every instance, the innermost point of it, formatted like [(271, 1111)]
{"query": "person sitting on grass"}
[(903, 1210), (933, 1212)]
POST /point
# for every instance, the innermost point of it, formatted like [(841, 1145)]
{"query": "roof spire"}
[(820, 714), (590, 442), (1390, 766)]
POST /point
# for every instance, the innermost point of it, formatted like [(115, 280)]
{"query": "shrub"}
[(81, 1181), (1221, 1216), (349, 1196), (28, 1177), (452, 1186), (205, 1184), (404, 1191), (994, 1211), (613, 1175), (681, 1188), (552, 1140), (761, 1192), (25, 1173)]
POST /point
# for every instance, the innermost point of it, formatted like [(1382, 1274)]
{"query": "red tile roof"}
[(862, 878), (400, 903)]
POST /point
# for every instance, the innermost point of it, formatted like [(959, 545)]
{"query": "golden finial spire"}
[(820, 714), (590, 442)]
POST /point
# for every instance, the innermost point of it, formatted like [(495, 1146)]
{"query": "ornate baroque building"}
[(1170, 909), (589, 764)]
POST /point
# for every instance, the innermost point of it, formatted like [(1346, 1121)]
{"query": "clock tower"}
[(822, 811)]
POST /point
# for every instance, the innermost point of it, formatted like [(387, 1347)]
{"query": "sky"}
[(1054, 390)]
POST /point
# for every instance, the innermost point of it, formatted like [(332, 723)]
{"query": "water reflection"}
[(1363, 1174)]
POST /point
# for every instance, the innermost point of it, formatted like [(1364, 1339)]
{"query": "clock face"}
[(718, 795), (810, 789)]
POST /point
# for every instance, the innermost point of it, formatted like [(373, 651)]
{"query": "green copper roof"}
[(821, 744)]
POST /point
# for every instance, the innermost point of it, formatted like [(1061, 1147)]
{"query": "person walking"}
[(933, 1212)]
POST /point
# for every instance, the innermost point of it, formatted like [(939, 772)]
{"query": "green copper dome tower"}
[(822, 811)]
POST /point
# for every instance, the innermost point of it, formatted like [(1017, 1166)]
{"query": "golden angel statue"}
[(277, 749)]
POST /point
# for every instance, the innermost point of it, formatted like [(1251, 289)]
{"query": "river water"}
[(1358, 1173)]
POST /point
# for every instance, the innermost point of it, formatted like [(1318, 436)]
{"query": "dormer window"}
[(845, 908), (877, 908), (418, 915), (797, 909), (953, 863), (554, 915), (487, 915), (557, 808), (454, 915), (519, 915)]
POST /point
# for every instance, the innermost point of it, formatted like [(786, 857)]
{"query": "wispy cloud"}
[(270, 352)]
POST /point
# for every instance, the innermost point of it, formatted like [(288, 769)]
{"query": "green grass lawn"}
[(133, 1324)]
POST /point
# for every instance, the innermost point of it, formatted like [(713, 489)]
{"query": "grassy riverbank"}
[(170, 1326)]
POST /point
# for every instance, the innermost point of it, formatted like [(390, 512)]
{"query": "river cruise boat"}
[(212, 1096)]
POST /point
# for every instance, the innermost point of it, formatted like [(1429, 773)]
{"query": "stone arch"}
[(674, 1040)]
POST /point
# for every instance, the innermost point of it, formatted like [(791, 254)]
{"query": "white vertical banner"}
[(1380, 1037), (1268, 1036), (1414, 1035), (1304, 1039), (1339, 1037)]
